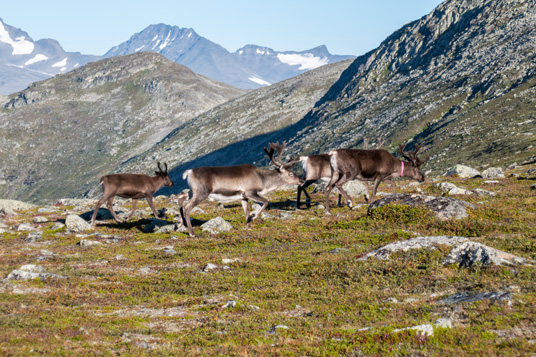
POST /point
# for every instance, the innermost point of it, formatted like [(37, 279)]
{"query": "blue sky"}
[(346, 27)]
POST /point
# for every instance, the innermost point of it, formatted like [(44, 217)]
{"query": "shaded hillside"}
[(69, 130), (258, 112)]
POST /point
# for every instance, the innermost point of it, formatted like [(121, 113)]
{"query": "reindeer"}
[(371, 165), (133, 186), (317, 167), (239, 182)]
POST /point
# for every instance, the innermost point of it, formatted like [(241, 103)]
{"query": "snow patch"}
[(166, 42), (257, 80), (61, 63), (154, 38), (37, 58), (262, 52), (155, 45), (139, 48), (20, 45), (305, 61)]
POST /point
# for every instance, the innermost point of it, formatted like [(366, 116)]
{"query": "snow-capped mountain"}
[(248, 68), (23, 61)]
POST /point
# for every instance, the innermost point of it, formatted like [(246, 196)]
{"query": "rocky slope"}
[(460, 80), (60, 134)]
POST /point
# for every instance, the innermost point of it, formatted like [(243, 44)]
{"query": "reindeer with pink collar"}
[(371, 165)]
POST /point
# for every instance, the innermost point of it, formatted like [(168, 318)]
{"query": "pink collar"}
[(402, 170)]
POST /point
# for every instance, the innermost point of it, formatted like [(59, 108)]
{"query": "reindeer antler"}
[(401, 150), (271, 156), (160, 167), (415, 161), (380, 142)]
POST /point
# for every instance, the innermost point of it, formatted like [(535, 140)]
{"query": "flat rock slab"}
[(444, 207), (466, 297), (469, 253), (414, 243), (465, 252), (15, 205)]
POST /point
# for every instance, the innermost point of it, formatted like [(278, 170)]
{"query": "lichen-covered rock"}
[(444, 207), (13, 205), (89, 243), (76, 224), (217, 224), (462, 171), (493, 173), (414, 243), (469, 253)]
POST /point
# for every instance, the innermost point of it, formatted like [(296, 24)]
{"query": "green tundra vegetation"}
[(292, 285)]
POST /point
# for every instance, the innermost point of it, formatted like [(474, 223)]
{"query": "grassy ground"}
[(295, 293)]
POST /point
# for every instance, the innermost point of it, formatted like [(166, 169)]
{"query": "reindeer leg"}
[(194, 201), (339, 184), (252, 195), (96, 210), (334, 178), (367, 195), (149, 198), (301, 188), (377, 181), (134, 203), (393, 186), (245, 206), (111, 208)]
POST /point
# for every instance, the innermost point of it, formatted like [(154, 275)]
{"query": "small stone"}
[(462, 171), (169, 250), (33, 237), (230, 303), (89, 243), (216, 225), (426, 329), (254, 308), (25, 227), (120, 257), (444, 323), (210, 267), (230, 261), (76, 224), (493, 173), (482, 193), (391, 300), (40, 219)]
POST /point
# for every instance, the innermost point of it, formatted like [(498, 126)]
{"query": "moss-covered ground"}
[(298, 285)]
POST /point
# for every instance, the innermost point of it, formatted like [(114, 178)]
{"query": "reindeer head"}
[(414, 161), (284, 168), (164, 174)]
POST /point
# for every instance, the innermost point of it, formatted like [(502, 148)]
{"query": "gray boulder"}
[(493, 173), (13, 205), (216, 225), (414, 243), (31, 271), (444, 207), (462, 171), (467, 297), (76, 224), (469, 253)]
